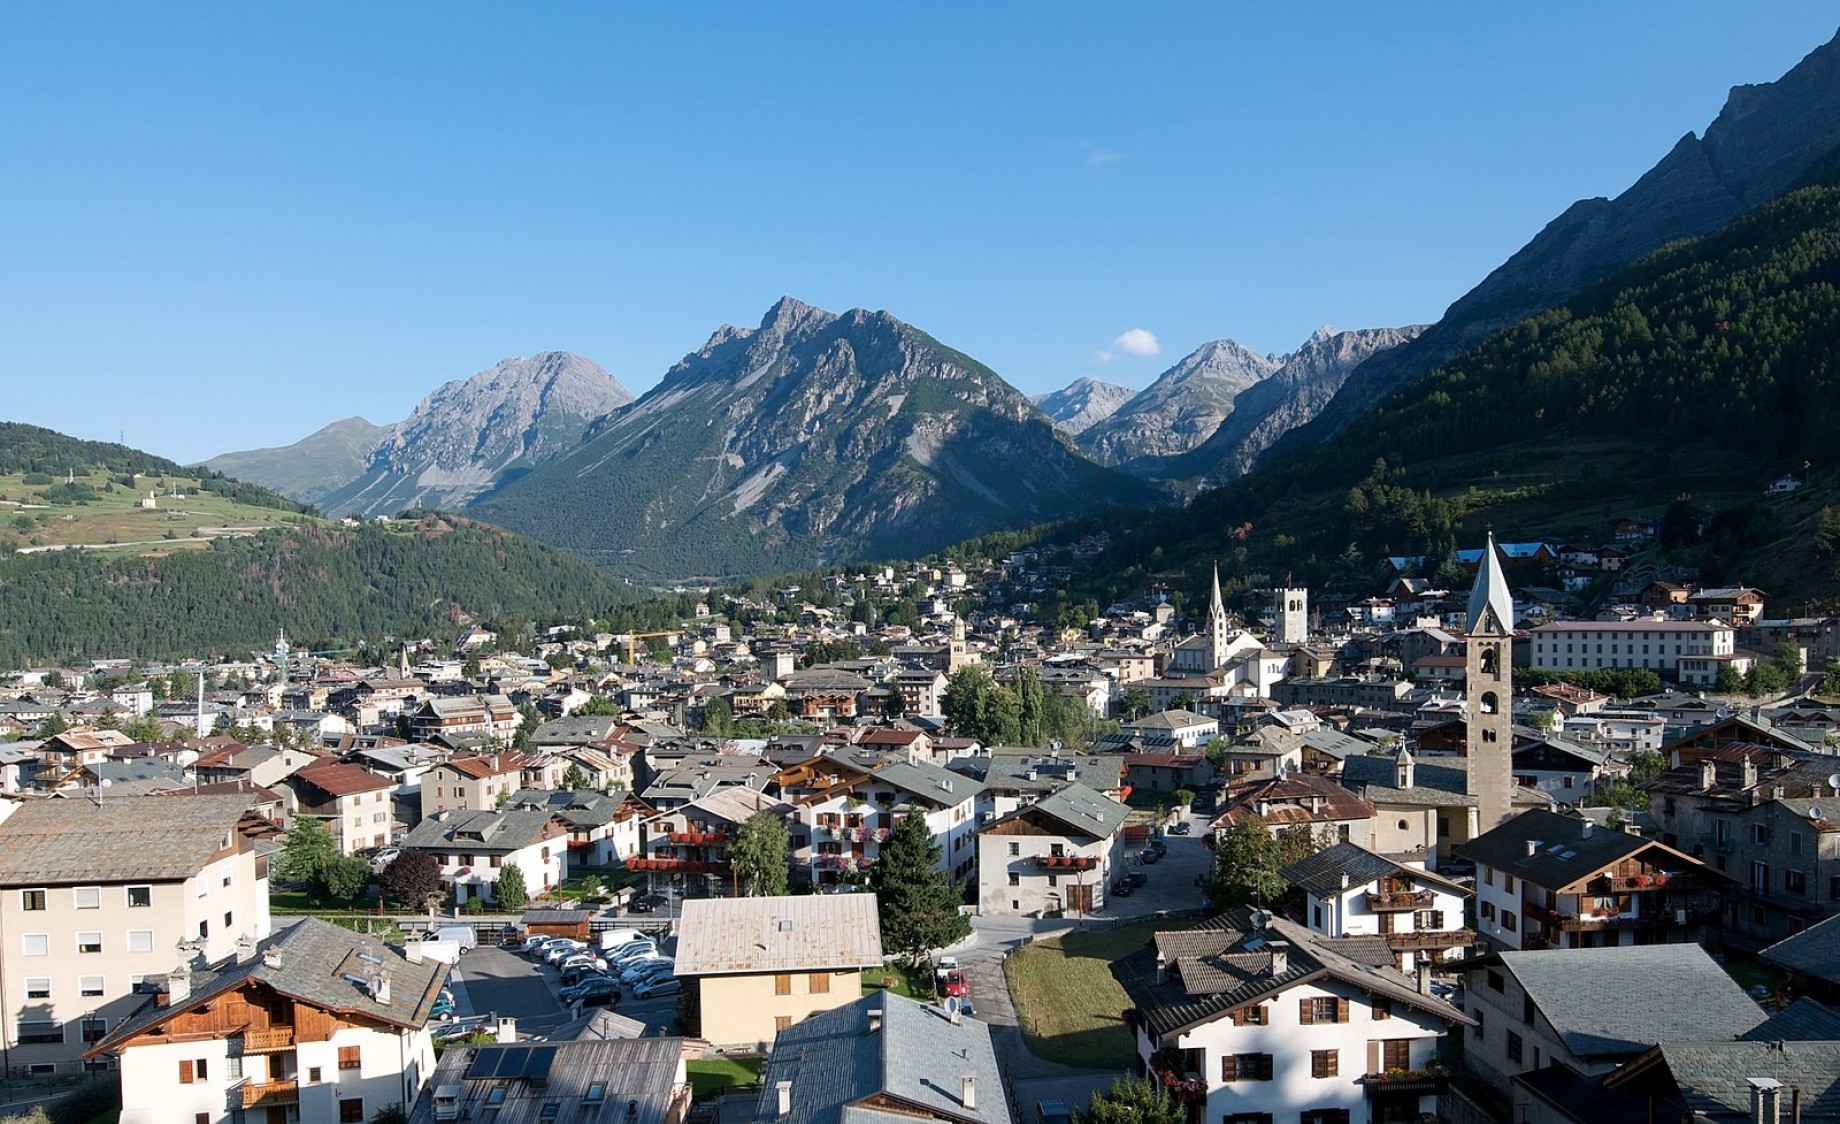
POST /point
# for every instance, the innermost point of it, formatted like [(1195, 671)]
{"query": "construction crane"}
[(632, 639)]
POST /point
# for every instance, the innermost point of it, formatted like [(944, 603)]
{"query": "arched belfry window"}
[(1491, 661), (1490, 704)]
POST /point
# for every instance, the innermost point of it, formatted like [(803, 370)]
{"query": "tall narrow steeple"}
[(1217, 622), (1488, 688)]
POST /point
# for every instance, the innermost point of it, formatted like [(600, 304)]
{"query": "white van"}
[(614, 938), (463, 935)]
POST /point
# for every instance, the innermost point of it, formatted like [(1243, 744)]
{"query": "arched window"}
[(1491, 661), (1490, 704)]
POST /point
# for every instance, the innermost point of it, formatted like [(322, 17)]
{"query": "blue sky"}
[(223, 226)]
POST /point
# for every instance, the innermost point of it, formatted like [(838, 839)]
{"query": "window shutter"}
[(1341, 1010), (1229, 1067), (185, 1071), (1305, 1012), (1239, 1016), (1373, 1055)]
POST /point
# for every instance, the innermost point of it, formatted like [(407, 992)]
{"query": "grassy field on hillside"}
[(99, 511)]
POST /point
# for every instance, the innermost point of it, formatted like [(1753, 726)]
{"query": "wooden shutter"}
[(1341, 1010), (782, 984), (1229, 1067), (1373, 1055), (1383, 1009), (185, 1071), (820, 983), (1239, 1016), (1306, 1012)]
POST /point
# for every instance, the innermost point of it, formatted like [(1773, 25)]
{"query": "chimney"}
[(271, 957), (1280, 957), (967, 1091), (1344, 880), (1423, 964), (1585, 831), (875, 1020), (1766, 1100), (782, 1090), (1708, 774), (1747, 774), (506, 1030), (1162, 967), (178, 985), (1533, 847)]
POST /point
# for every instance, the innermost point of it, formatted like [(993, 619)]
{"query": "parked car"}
[(443, 1006), (669, 985), (648, 903), (614, 938), (1149, 855), (1137, 878), (583, 960), (535, 942), (561, 950), (951, 983), (590, 987), (1121, 888), (1182, 828), (627, 953), (646, 969), (1160, 846)]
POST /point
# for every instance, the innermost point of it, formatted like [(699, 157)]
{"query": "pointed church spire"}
[(1490, 593), (1217, 623)]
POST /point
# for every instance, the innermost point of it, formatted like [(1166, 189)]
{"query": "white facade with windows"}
[(1655, 645)]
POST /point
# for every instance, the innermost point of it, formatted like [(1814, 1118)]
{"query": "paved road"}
[(1171, 887)]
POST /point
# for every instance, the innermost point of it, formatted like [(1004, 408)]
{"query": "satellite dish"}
[(1814, 812), (1724, 713), (105, 782), (1833, 781)]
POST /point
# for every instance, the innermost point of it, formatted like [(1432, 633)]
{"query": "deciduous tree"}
[(760, 854), (412, 877), (1133, 1100), (1246, 861)]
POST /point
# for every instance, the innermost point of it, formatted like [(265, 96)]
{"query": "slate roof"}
[(1801, 1021), (1563, 853), (1073, 805), (1321, 874), (1293, 799), (574, 730), (1815, 951), (1226, 962), (727, 936), (52, 842), (1714, 1078), (506, 830), (598, 1022), (934, 784), (639, 1080), (1437, 781), (313, 960), (919, 1058), (583, 809), (1609, 1002)]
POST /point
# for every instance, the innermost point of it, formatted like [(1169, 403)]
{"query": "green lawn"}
[(916, 984), (711, 1076), (1749, 972), (1067, 1000)]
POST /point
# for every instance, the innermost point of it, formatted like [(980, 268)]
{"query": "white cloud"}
[(1099, 157), (1137, 341)]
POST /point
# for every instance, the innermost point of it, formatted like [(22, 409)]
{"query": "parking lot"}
[(505, 982)]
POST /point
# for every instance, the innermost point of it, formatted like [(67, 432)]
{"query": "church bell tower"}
[(1488, 688)]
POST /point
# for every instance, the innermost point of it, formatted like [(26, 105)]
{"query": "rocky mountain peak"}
[(1082, 404), (1182, 408)]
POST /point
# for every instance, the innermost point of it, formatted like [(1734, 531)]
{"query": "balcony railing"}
[(1405, 1082), (268, 1041), (1431, 938), (1187, 1085), (1072, 862), (1401, 901), (271, 1093), (1636, 882), (698, 838)]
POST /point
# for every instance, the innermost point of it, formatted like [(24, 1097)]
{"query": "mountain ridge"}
[(1082, 403), (1182, 408)]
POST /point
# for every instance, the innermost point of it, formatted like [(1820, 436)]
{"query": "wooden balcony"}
[(271, 1093), (270, 1041), (1404, 1083), (1400, 902), (1431, 938)]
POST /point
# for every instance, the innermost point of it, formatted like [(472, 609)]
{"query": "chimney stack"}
[(506, 1030), (1423, 964), (875, 1019), (1533, 847), (1708, 774), (1280, 957), (1162, 967), (967, 1095), (178, 985), (1585, 831), (1766, 1100), (783, 1091)]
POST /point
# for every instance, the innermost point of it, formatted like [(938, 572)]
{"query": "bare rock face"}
[(814, 436), (471, 435), (1182, 408), (1295, 393), (1082, 404), (1765, 139)]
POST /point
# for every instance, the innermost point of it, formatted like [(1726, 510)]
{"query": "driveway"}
[(493, 980)]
